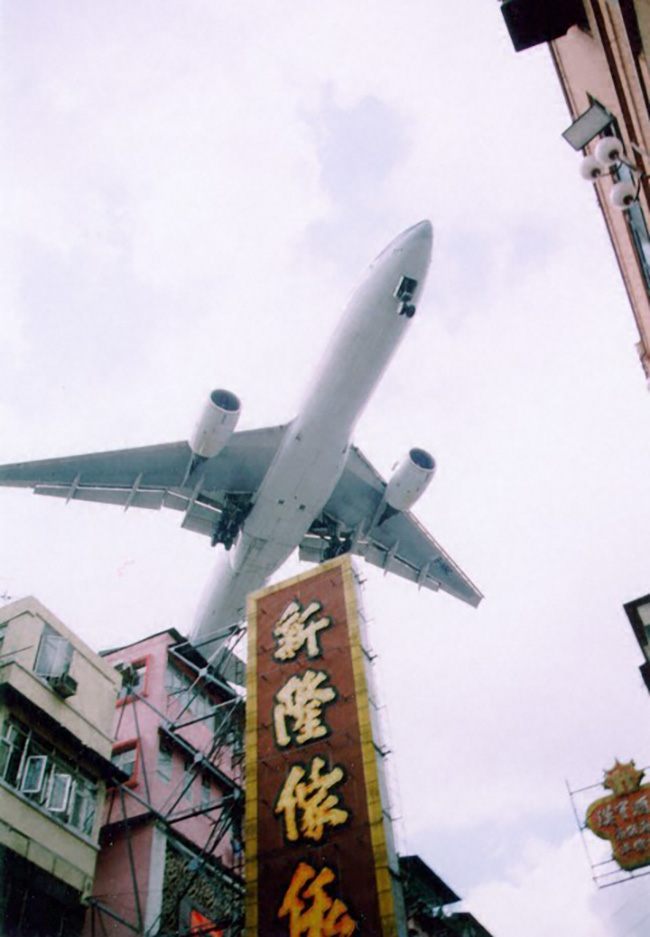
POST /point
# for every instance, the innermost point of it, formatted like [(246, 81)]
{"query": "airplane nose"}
[(418, 239), (423, 230)]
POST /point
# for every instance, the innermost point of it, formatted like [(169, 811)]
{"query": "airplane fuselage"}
[(313, 452)]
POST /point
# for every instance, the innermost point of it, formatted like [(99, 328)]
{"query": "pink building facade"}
[(171, 854)]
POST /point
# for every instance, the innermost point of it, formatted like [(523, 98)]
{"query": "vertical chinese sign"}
[(316, 851)]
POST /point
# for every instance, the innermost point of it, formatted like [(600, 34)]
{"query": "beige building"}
[(601, 51), (57, 702)]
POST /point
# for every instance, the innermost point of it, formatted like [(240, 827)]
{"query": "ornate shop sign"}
[(316, 857), (624, 816)]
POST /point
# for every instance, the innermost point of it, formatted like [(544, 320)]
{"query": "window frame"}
[(87, 795), (4, 625), (64, 803), (192, 695), (189, 773), (143, 690), (165, 747), (43, 759), (63, 649), (125, 746), (206, 791)]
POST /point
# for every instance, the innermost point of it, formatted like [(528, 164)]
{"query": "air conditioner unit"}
[(64, 685)]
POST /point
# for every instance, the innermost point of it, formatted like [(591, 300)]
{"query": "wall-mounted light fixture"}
[(608, 154), (588, 125)]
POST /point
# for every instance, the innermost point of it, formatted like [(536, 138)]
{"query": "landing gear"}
[(404, 293), (337, 541), (233, 514), (337, 546)]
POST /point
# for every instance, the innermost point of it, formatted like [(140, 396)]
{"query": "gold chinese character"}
[(301, 700), (311, 800), (311, 911), (294, 630)]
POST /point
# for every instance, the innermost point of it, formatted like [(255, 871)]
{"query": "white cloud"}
[(548, 891)]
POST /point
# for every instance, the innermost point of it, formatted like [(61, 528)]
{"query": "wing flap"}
[(153, 500), (201, 518), (390, 562)]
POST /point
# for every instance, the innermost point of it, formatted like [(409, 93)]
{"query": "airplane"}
[(262, 493)]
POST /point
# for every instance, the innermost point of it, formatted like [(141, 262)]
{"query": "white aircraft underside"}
[(262, 493)]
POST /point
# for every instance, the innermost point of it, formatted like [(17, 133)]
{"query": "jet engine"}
[(216, 425), (409, 481)]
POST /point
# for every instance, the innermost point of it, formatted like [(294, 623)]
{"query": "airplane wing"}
[(154, 477), (398, 545)]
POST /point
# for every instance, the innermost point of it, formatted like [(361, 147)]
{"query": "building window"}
[(33, 774), (12, 746), (3, 628), (206, 790), (82, 807), (180, 687), (48, 780), (164, 764), (188, 780), (134, 679), (125, 756), (190, 697), (54, 654), (59, 792)]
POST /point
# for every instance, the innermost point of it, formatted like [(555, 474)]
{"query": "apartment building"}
[(171, 856), (57, 704)]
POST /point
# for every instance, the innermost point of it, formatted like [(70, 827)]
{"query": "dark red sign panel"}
[(316, 859)]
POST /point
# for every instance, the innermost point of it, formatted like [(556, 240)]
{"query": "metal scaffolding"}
[(195, 867)]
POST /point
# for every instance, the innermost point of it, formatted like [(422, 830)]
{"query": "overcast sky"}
[(191, 190)]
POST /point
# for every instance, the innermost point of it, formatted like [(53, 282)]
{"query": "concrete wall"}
[(48, 844), (114, 883)]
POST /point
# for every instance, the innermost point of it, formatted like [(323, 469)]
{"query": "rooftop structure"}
[(426, 897)]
